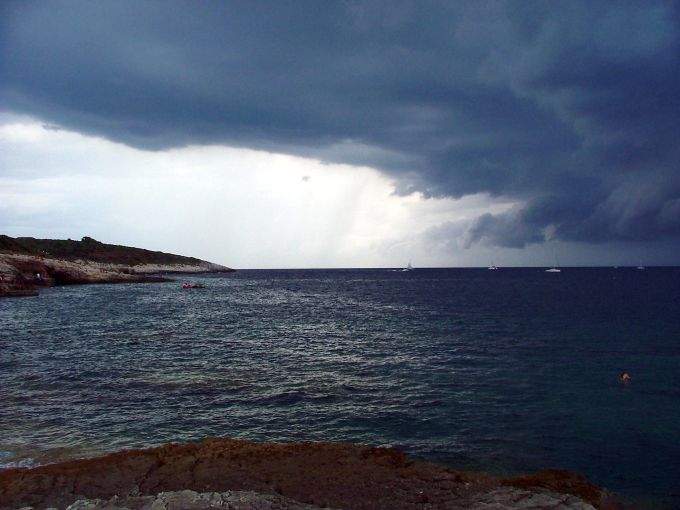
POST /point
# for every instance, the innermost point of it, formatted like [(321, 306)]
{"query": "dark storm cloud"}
[(570, 108)]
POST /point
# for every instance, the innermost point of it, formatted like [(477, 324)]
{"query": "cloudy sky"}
[(346, 133)]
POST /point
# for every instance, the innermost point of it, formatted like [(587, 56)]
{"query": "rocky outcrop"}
[(13, 281), (564, 481), (23, 271), (321, 475), (192, 500), (24, 274)]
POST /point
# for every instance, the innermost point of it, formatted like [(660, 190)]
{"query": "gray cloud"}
[(571, 108)]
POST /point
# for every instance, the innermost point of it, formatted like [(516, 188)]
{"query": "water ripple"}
[(509, 372)]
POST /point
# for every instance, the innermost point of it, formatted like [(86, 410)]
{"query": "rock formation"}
[(296, 475), (27, 264), (192, 500)]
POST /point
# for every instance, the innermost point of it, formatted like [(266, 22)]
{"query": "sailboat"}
[(556, 267), (493, 266), (409, 267)]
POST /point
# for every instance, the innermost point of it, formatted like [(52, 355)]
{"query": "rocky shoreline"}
[(23, 274), (224, 473)]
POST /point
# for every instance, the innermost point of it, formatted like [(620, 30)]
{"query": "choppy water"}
[(509, 371)]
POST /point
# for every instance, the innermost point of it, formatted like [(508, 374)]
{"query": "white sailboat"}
[(556, 267), (408, 268)]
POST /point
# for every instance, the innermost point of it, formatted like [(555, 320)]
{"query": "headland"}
[(247, 475), (26, 264)]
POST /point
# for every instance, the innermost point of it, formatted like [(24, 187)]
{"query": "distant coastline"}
[(27, 264)]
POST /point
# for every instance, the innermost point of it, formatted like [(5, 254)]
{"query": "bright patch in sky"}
[(238, 207), (549, 130)]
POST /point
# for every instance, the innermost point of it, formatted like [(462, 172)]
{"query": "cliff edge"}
[(27, 264)]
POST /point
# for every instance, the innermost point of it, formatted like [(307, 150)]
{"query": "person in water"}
[(625, 377)]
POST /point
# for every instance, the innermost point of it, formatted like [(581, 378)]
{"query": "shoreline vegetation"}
[(246, 474), (27, 264)]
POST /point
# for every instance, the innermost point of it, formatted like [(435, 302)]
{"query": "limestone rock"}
[(317, 474), (192, 500)]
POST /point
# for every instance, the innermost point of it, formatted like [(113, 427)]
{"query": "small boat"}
[(188, 285), (492, 267), (408, 268), (556, 267)]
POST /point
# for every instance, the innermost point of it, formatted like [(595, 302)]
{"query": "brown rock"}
[(559, 480), (191, 500), (319, 474)]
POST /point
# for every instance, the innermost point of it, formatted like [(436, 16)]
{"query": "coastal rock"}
[(191, 500), (317, 474), (247, 500), (29, 272), (13, 282), (27, 263), (564, 481)]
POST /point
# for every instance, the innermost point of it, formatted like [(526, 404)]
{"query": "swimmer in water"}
[(625, 377)]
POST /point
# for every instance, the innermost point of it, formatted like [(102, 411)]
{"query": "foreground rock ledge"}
[(223, 473)]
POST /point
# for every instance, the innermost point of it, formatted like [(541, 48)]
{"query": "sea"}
[(509, 371)]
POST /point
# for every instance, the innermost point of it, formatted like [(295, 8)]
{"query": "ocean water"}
[(508, 371)]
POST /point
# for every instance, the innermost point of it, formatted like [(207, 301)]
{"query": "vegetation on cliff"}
[(27, 263), (90, 249)]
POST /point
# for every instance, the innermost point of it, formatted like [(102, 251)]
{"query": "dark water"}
[(508, 371)]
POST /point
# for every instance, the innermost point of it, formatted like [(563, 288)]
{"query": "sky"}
[(269, 134)]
